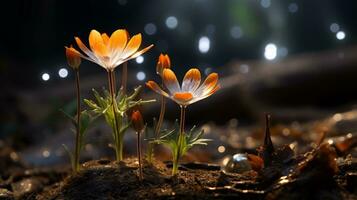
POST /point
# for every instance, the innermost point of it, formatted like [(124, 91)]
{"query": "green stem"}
[(176, 157), (118, 147), (78, 137)]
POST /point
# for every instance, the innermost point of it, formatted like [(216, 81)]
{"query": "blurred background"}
[(295, 59)]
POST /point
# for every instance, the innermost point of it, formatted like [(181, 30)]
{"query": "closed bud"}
[(163, 63), (137, 121), (73, 57)]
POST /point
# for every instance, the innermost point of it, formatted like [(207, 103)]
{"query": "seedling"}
[(109, 53), (103, 106), (190, 92)]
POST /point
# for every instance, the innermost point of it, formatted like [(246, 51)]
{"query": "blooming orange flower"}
[(110, 52), (191, 89), (73, 57), (162, 63)]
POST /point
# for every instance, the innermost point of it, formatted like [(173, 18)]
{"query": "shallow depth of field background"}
[(296, 59)]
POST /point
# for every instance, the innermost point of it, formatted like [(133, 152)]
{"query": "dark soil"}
[(105, 179)]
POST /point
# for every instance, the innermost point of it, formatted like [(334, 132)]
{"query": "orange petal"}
[(162, 63), (96, 43), (73, 57), (192, 80), (183, 96), (142, 51), (117, 41), (211, 80), (156, 88), (170, 81), (105, 38), (132, 46)]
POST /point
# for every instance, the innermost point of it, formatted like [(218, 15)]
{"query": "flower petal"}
[(170, 81), (155, 87), (210, 92), (117, 42), (162, 63), (105, 38), (182, 96), (210, 82), (97, 45), (132, 46), (191, 81)]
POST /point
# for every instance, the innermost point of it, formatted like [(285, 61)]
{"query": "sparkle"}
[(221, 149), (63, 72), (139, 59), (236, 32), (141, 76), (46, 153), (340, 35), (337, 117), (270, 52), (334, 27), (204, 44), (45, 76), (293, 7), (150, 29), (171, 22), (265, 3)]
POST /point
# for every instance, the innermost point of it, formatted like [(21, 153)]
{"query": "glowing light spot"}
[(46, 153), (236, 32), (270, 52), (171, 22), (349, 135), (221, 149), (141, 76), (265, 3), (286, 132), (204, 44), (244, 68), (139, 59), (340, 35), (337, 117), (293, 7), (45, 76), (63, 72), (334, 27), (150, 29), (330, 141)]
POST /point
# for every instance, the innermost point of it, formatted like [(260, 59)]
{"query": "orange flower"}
[(110, 52), (163, 63), (137, 121), (73, 57), (190, 91)]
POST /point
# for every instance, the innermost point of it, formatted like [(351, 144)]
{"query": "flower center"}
[(183, 96)]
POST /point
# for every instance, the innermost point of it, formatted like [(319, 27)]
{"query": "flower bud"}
[(162, 63), (137, 121), (73, 57)]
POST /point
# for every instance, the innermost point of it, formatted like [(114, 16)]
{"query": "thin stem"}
[(161, 116), (139, 157), (78, 137), (182, 119), (118, 149), (180, 138), (124, 77)]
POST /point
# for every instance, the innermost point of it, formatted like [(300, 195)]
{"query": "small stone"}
[(26, 186), (237, 163)]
